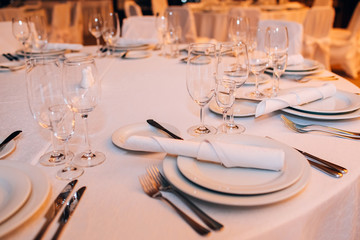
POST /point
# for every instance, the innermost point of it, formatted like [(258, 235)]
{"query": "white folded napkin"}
[(295, 59), (70, 46), (295, 97), (228, 154)]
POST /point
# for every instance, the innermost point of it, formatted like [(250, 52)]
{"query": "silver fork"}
[(163, 185), (308, 78), (300, 128), (151, 190)]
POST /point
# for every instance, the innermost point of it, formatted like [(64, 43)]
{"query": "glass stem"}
[(202, 125), (87, 142), (231, 123), (256, 84)]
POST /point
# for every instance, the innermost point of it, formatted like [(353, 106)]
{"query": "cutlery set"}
[(8, 139), (55, 207), (10, 57)]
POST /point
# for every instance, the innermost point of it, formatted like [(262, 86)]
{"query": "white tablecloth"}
[(114, 205)]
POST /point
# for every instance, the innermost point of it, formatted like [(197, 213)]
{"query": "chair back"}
[(354, 24), (159, 6), (140, 29), (328, 3), (187, 23), (132, 9)]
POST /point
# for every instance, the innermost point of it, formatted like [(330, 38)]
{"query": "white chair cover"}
[(295, 33), (8, 43), (345, 46), (250, 12), (140, 29), (317, 26), (132, 9), (328, 3), (187, 23), (159, 6)]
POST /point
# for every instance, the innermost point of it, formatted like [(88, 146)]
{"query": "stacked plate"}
[(131, 46), (239, 186), (308, 67), (23, 190), (44, 52)]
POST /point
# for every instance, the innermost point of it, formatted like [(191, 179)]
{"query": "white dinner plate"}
[(137, 54), (44, 52), (9, 148), (300, 73), (11, 66), (121, 47), (244, 180), (306, 66), (263, 78), (241, 107), (77, 55), (139, 129), (39, 193), (344, 116), (341, 102), (15, 188), (173, 174)]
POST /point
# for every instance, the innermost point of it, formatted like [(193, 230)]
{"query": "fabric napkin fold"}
[(70, 46), (228, 154), (295, 59), (295, 97)]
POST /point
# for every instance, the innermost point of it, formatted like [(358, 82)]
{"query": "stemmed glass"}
[(161, 26), (95, 28), (225, 98), (43, 80), (62, 122), (200, 81), (233, 64), (258, 59), (239, 29), (111, 29), (21, 30), (173, 34), (82, 90), (38, 31), (277, 44)]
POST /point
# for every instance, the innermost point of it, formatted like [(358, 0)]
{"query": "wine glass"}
[(43, 80), (225, 97), (161, 26), (239, 29), (200, 81), (38, 31), (82, 90), (258, 59), (95, 28), (21, 30), (173, 34), (233, 64), (111, 29), (277, 44), (62, 122)]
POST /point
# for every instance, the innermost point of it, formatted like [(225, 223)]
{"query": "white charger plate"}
[(9, 148), (300, 73), (263, 78), (244, 180), (139, 129), (307, 65), (40, 192), (173, 174), (15, 188), (11, 66), (350, 115), (44, 52), (241, 108)]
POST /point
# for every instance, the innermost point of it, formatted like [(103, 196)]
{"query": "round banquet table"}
[(114, 205)]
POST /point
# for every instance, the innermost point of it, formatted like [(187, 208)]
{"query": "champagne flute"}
[(277, 44), (239, 29), (38, 32), (161, 26), (82, 90), (233, 64), (111, 29), (21, 30), (95, 28), (258, 59), (62, 121), (200, 81), (43, 80), (225, 97)]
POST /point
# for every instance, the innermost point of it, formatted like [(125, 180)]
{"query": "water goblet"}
[(38, 32), (82, 91), (200, 81), (95, 28), (62, 122), (225, 97), (239, 29), (161, 27), (21, 30), (111, 30), (233, 64), (277, 44), (43, 81)]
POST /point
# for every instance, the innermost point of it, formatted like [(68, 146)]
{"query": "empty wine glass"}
[(258, 59), (200, 81), (38, 32), (62, 122), (111, 29), (173, 34), (95, 28), (233, 64), (277, 44), (225, 97), (239, 29), (43, 80), (82, 91), (161, 26), (21, 30)]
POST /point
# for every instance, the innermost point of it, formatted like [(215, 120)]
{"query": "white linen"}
[(295, 59), (229, 155), (69, 46), (294, 98)]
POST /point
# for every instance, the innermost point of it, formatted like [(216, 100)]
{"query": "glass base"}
[(231, 128), (256, 95), (69, 172), (201, 130), (52, 158), (89, 159), (271, 92)]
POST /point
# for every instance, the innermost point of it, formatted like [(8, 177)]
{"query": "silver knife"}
[(68, 211), (55, 207), (9, 138)]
